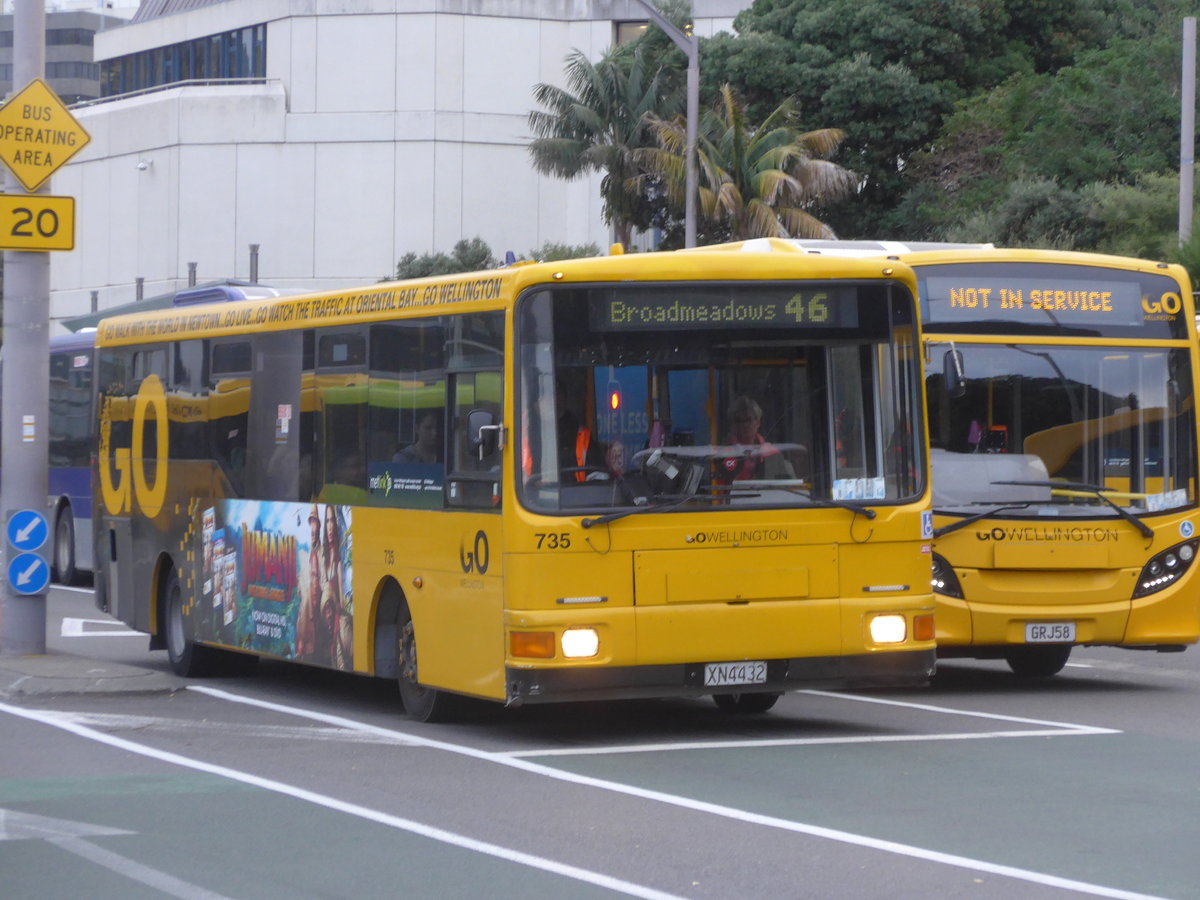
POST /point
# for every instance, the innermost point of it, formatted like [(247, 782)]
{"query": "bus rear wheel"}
[(1037, 662), (745, 703), (424, 704)]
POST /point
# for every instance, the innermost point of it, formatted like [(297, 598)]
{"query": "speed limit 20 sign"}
[(37, 222)]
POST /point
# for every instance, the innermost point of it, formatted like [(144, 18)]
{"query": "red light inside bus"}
[(614, 396)]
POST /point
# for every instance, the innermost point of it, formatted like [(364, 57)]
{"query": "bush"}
[(550, 251), (467, 256)]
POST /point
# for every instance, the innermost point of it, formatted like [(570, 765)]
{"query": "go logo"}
[(1170, 303), (128, 463), (478, 558)]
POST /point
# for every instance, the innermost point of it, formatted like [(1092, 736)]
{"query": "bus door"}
[(469, 534)]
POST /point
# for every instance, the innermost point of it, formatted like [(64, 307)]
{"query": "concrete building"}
[(336, 135), (71, 71)]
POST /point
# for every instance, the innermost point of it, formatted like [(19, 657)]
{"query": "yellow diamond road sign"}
[(38, 134)]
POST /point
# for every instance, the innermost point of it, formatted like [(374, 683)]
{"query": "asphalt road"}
[(300, 783)]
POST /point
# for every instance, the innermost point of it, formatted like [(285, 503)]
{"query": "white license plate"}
[(721, 674), (1049, 632)]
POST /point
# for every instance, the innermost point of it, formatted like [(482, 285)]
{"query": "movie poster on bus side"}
[(277, 580)]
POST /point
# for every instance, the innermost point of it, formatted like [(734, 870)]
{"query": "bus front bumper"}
[(905, 668)]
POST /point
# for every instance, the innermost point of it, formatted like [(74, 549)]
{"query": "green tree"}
[(1098, 129), (754, 181), (889, 71), (597, 124), (551, 251), (467, 256)]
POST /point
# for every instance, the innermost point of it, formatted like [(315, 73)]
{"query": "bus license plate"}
[(722, 674), (1049, 632)]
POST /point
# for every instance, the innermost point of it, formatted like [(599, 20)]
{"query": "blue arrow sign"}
[(28, 573), (27, 530)]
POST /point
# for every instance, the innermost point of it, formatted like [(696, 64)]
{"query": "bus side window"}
[(476, 397), (229, 409), (406, 414)]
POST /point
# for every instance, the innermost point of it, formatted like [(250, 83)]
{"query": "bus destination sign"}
[(780, 306), (1061, 299)]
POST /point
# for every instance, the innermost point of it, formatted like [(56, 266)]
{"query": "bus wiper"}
[(990, 511), (855, 508), (676, 499), (1099, 491), (822, 503)]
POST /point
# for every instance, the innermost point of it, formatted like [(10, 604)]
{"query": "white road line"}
[(1051, 729), (790, 742), (740, 815), (134, 870), (75, 590), (74, 627), (120, 722), (353, 809), (970, 713)]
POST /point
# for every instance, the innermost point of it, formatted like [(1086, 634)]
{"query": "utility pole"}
[(689, 44), (1187, 130), (25, 399)]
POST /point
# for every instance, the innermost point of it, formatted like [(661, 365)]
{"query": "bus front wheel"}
[(424, 704), (745, 703), (186, 658), (64, 547), (1037, 662)]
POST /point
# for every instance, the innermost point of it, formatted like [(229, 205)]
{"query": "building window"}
[(627, 32), (241, 53)]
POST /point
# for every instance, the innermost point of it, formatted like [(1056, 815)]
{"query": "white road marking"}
[(77, 590), (75, 627), (353, 809), (136, 871), (740, 815), (1051, 729), (788, 742), (122, 722), (68, 835)]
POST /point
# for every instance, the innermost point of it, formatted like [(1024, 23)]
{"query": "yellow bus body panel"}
[(1009, 583)]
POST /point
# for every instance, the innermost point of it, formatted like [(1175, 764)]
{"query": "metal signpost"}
[(37, 136), (690, 46)]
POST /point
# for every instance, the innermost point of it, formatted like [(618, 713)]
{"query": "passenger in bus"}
[(427, 448), (757, 458), (580, 455)]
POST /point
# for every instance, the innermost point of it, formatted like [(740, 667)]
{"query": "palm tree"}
[(753, 181), (596, 124)]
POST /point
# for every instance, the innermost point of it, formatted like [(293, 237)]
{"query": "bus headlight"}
[(580, 643), (888, 629), (943, 579), (1165, 568)]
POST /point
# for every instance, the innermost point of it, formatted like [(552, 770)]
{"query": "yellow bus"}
[(1061, 392), (650, 475)]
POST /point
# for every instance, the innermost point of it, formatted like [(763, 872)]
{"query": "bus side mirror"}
[(954, 378), (483, 434)]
